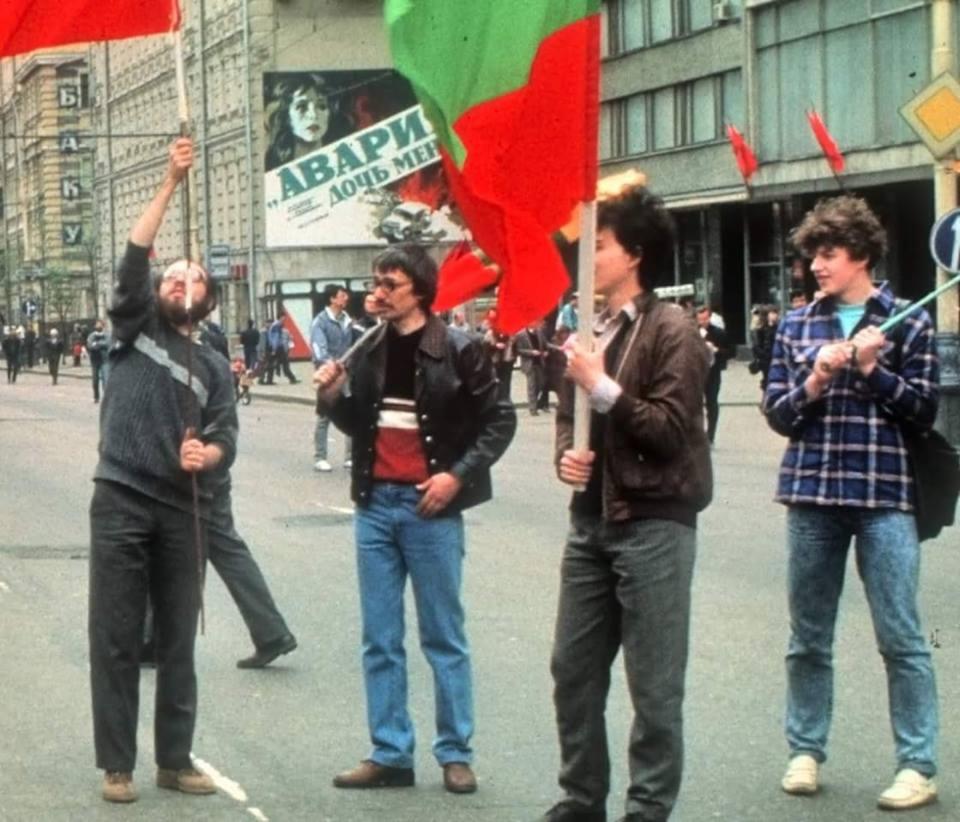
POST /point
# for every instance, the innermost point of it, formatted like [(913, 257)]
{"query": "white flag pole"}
[(585, 264)]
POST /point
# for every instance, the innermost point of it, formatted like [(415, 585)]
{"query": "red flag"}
[(827, 144), (746, 159), (462, 277), (27, 25)]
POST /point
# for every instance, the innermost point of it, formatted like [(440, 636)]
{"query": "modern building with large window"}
[(676, 72)]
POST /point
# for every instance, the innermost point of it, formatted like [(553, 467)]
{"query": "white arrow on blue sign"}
[(945, 241)]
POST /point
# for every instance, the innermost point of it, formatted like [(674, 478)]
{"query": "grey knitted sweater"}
[(148, 405)]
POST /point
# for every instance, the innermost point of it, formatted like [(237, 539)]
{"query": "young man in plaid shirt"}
[(841, 391)]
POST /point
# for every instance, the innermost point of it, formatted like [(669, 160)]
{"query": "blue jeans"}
[(888, 562), (392, 542)]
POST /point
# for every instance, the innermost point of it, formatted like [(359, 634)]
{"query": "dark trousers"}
[(230, 556), (54, 364), (711, 396), (504, 379), (13, 368), (96, 373), (535, 377), (282, 363), (138, 544), (249, 357), (623, 586)]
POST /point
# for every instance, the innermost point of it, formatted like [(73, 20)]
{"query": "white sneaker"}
[(801, 776), (322, 465), (910, 789)]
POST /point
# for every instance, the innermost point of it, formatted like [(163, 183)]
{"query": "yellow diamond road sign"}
[(935, 114)]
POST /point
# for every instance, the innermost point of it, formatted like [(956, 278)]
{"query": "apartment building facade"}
[(676, 72), (47, 275)]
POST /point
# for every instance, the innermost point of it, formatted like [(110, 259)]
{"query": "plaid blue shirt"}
[(846, 447)]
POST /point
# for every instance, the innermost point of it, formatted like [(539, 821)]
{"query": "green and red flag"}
[(512, 90)]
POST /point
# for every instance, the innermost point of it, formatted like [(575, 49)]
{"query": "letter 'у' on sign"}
[(934, 114)]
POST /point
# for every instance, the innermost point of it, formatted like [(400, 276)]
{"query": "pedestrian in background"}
[(98, 349), (503, 353), (250, 340), (11, 352), (763, 344), (331, 334), (368, 318), (628, 562), (569, 317), (54, 353), (531, 347), (427, 425), (280, 343), (30, 352), (265, 359), (845, 394), (715, 339)]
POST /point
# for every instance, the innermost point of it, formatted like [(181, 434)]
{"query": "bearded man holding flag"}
[(169, 413)]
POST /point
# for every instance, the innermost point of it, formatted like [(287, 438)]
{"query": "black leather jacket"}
[(464, 428)]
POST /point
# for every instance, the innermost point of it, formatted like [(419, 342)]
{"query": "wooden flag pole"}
[(585, 265), (191, 250)]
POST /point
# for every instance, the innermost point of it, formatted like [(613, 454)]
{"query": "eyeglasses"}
[(388, 284), (180, 275)]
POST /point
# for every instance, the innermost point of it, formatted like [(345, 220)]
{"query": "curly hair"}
[(643, 226), (841, 222)]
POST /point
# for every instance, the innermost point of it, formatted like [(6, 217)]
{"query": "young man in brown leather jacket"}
[(628, 561)]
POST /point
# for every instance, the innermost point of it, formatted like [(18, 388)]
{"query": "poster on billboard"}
[(350, 160)]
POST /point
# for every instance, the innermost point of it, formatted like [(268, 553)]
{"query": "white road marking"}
[(256, 813), (228, 786), (336, 508), (4, 587)]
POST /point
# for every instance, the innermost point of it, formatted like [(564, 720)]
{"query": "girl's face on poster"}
[(309, 115)]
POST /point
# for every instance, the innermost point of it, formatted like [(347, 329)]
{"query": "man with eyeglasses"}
[(427, 423), (169, 414)]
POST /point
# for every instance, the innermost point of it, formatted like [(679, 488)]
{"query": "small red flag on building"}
[(746, 159), (827, 144), (27, 25)]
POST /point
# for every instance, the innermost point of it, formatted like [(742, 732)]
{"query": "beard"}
[(176, 313)]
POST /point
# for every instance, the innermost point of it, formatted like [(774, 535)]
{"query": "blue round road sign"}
[(945, 241)]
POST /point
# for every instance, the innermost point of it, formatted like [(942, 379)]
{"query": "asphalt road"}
[(277, 736)]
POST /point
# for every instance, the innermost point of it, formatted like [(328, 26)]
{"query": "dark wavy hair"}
[(643, 226), (276, 115), (414, 261), (842, 222)]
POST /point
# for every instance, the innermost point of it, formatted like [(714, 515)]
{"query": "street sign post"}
[(218, 261), (934, 114), (945, 241)]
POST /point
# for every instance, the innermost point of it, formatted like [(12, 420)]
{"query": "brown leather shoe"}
[(370, 774), (185, 780), (458, 777), (118, 787)]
